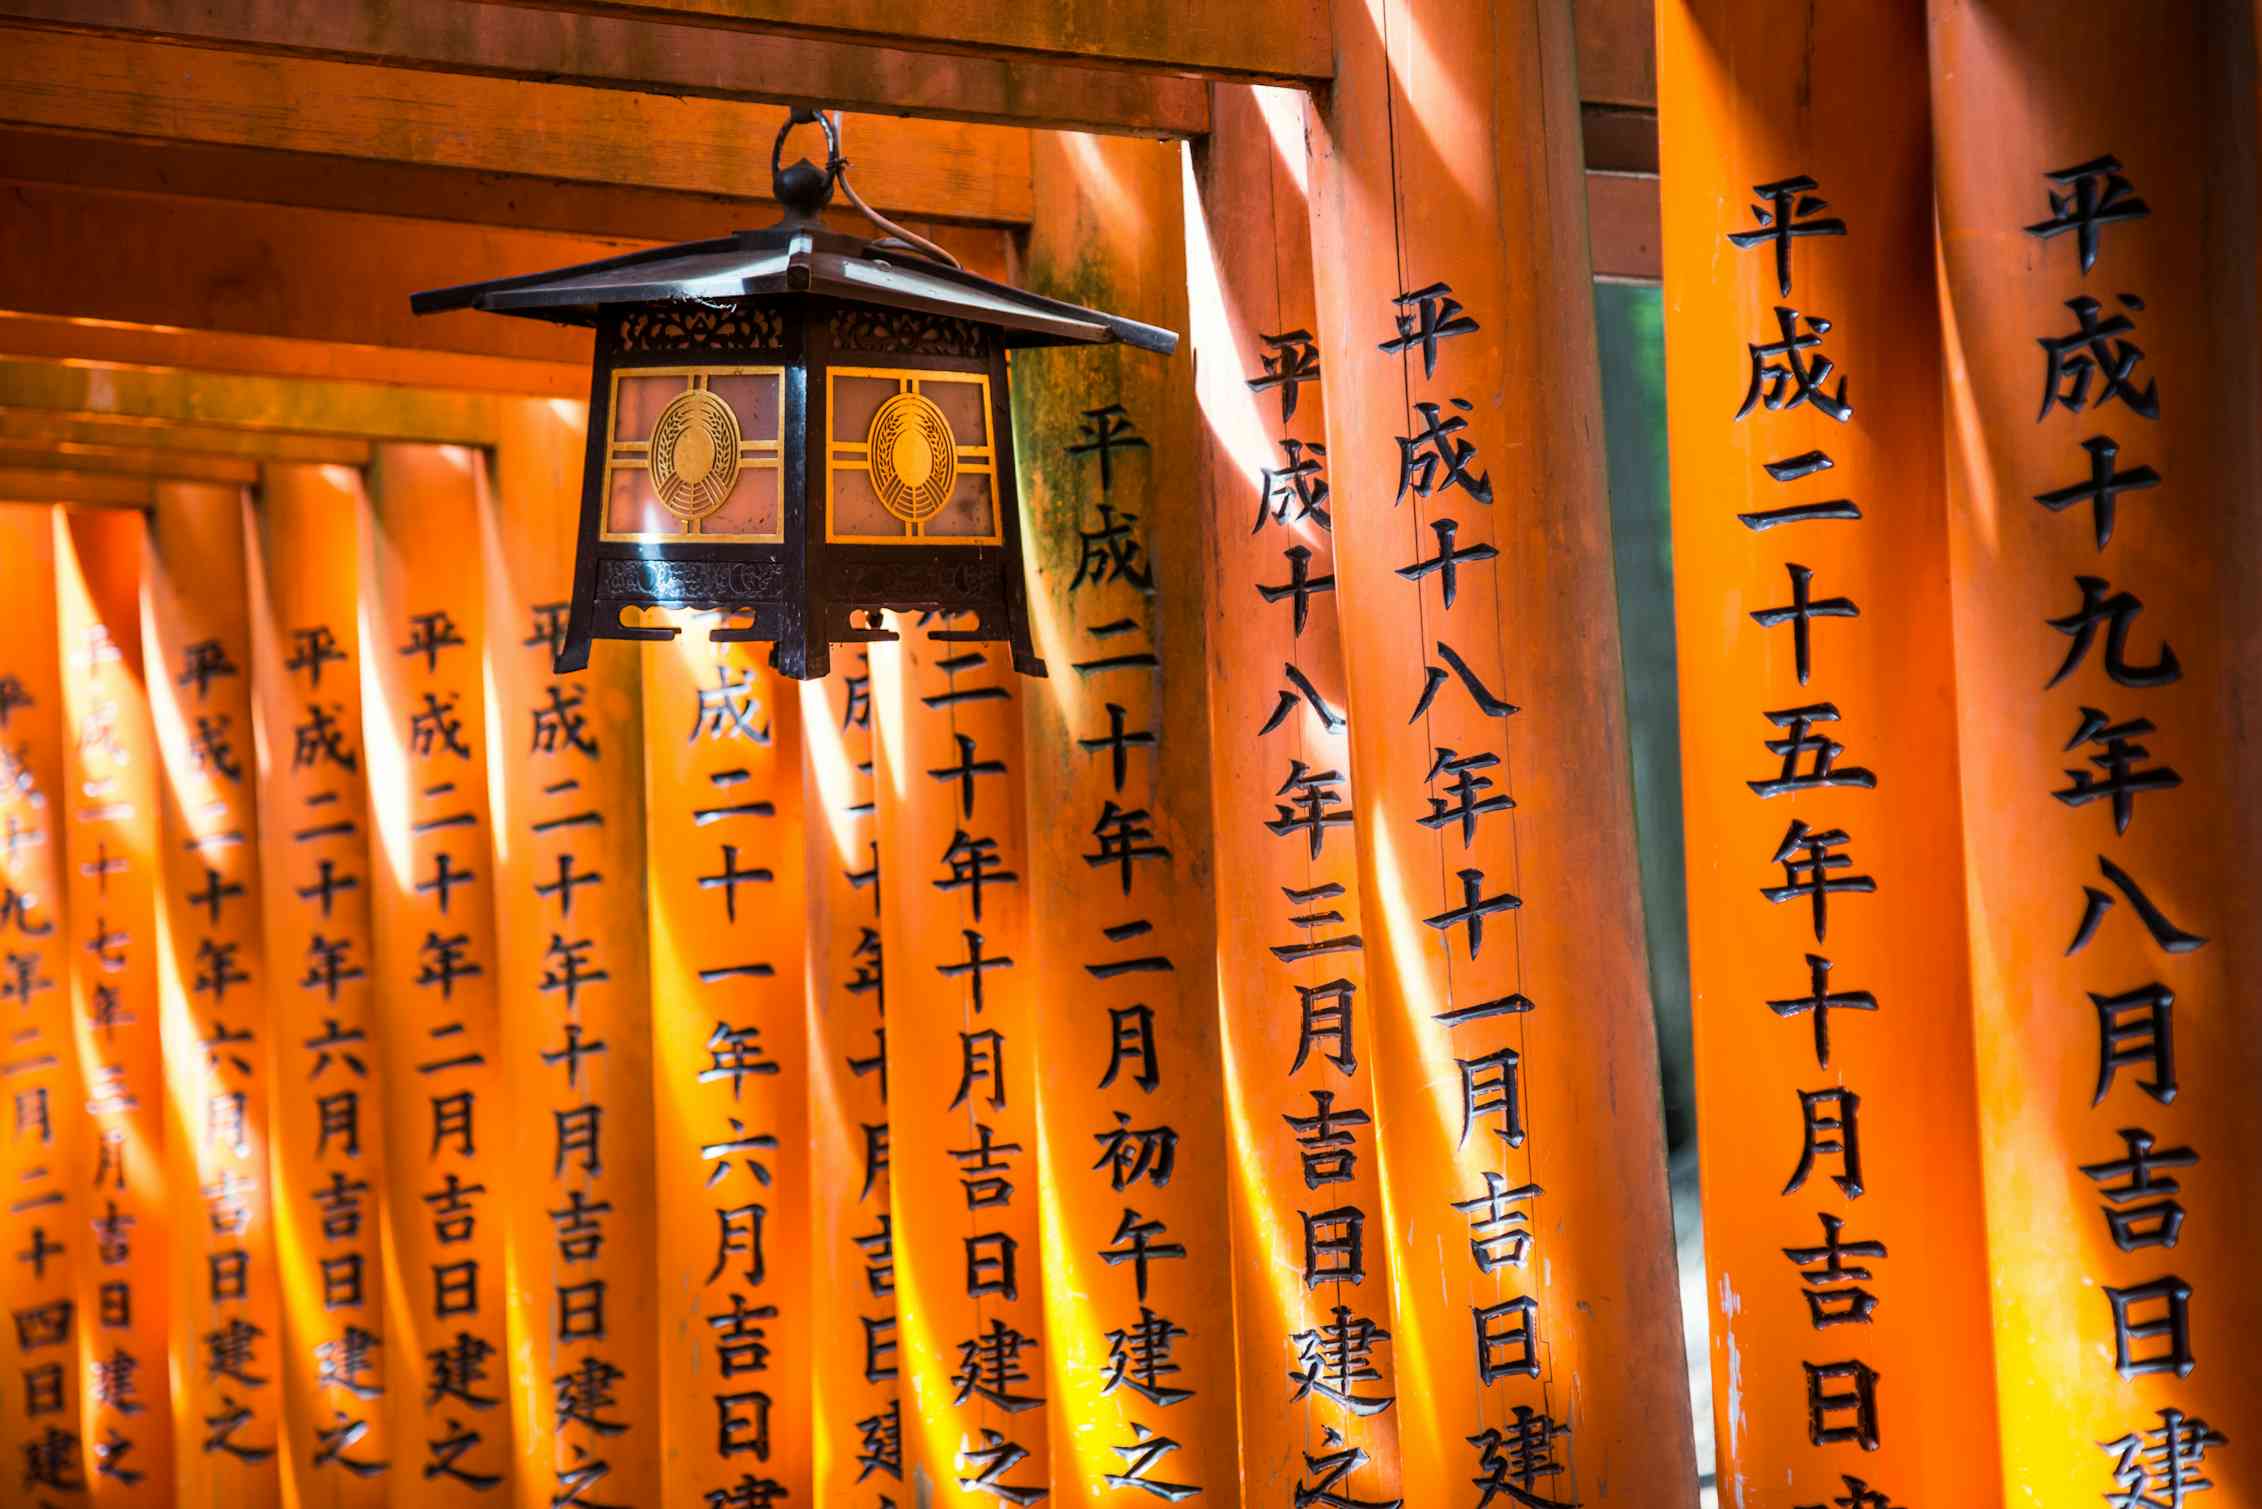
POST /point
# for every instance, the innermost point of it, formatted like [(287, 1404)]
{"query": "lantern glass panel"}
[(910, 457), (695, 452)]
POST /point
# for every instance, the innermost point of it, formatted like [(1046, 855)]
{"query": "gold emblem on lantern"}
[(694, 453), (914, 456), (909, 458)]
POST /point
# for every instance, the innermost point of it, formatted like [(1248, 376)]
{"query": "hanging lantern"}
[(798, 429)]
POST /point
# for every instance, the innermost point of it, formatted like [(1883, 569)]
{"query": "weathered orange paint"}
[(220, 1043), (1283, 39), (1731, 85), (1131, 1123), (1449, 153), (548, 771), (39, 1424), (962, 1077), (2021, 90), (724, 857), (614, 53), (1281, 787), (848, 1106), (328, 1112), (109, 820), (157, 91), (437, 1027)]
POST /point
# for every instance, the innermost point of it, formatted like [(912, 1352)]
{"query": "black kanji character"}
[(1335, 1357), (2097, 196), (2103, 486), (1426, 316), (1292, 362), (1807, 858), (1790, 212), (1783, 376), (1437, 449), (2095, 348), (2123, 778)]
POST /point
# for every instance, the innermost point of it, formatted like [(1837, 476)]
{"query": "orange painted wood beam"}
[(1284, 41), (335, 1366), (220, 1018), (435, 980), (724, 866), (419, 191), (1623, 210), (1516, 1069), (2098, 302), (1138, 1293), (606, 52), (327, 410), (151, 90), (176, 280), (1311, 1248), (967, 1346), (166, 261), (40, 1423), (195, 356), (858, 1413), (1617, 52), (54, 484), (64, 436), (1814, 1008), (121, 461), (107, 810), (573, 971)]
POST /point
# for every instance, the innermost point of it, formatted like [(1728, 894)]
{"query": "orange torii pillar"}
[(576, 1134), (1138, 1300), (328, 1111), (722, 762), (220, 1043), (39, 1419), (1310, 1248), (858, 1417), (967, 1345), (2095, 171), (426, 736), (110, 820), (1842, 1202), (1515, 1057)]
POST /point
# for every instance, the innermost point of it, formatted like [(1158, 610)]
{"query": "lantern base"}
[(797, 653)]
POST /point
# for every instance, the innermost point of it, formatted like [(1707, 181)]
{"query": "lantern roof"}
[(795, 259)]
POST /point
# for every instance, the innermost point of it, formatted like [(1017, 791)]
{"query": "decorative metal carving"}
[(691, 581), (966, 579), (691, 327), (914, 456), (904, 330), (694, 453)]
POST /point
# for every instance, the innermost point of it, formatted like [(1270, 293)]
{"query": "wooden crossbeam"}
[(144, 277), (1617, 50), (123, 461), (56, 339), (58, 485), (364, 187), (34, 429), (362, 411), (148, 90), (505, 42), (316, 275), (1263, 41)]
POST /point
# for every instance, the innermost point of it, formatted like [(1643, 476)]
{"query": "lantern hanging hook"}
[(806, 189)]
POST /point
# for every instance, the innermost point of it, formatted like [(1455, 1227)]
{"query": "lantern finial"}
[(805, 188)]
